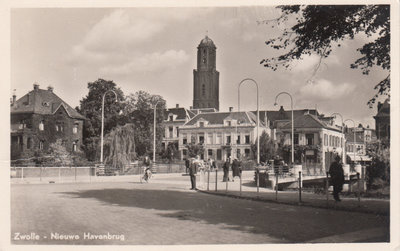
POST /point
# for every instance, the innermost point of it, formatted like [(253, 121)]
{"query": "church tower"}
[(206, 77)]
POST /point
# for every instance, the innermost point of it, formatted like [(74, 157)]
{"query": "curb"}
[(297, 204)]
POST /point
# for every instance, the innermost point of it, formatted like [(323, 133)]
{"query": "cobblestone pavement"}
[(165, 211)]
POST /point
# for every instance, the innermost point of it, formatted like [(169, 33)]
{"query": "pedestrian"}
[(337, 177), (226, 170), (187, 164), (192, 173), (235, 169)]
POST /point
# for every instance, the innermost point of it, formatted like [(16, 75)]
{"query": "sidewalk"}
[(249, 191)]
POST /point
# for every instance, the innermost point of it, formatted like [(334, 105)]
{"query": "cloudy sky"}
[(154, 49)]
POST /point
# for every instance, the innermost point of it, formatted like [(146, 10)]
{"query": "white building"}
[(223, 134)]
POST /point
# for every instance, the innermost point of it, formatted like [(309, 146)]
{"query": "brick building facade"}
[(38, 119)]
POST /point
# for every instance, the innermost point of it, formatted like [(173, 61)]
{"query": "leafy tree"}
[(195, 149), (172, 151), (318, 28), (119, 146), (267, 147), (139, 111), (58, 155), (378, 172), (90, 107)]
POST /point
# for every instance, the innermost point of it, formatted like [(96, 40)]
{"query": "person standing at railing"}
[(192, 173), (337, 177), (226, 166), (235, 169)]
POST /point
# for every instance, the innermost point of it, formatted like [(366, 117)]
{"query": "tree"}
[(139, 110), (172, 151), (267, 147), (378, 172), (90, 107), (119, 146), (194, 149), (319, 27), (58, 155)]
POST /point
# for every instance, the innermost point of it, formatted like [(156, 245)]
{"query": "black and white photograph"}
[(168, 126)]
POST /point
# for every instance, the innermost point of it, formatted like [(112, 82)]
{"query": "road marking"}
[(356, 236)]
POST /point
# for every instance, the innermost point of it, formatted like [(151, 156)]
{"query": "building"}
[(315, 140), (382, 121), (174, 118), (206, 77), (222, 134), (38, 119)]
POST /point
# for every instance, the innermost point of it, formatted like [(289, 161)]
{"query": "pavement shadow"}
[(279, 221)]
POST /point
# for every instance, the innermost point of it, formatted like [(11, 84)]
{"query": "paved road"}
[(165, 211)]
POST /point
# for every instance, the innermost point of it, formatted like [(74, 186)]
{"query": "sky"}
[(155, 50)]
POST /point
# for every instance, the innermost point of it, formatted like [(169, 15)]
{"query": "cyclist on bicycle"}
[(147, 171)]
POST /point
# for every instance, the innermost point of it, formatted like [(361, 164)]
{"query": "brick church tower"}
[(206, 77)]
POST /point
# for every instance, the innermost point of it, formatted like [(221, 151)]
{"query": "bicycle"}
[(147, 175)]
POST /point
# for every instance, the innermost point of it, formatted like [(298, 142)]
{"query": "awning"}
[(360, 157)]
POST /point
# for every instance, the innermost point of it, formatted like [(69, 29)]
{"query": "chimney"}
[(177, 105), (50, 88), (14, 97), (35, 86), (230, 108)]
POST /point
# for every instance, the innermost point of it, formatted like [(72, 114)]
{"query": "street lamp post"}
[(258, 116), (343, 148), (154, 133), (102, 122), (354, 135), (291, 107)]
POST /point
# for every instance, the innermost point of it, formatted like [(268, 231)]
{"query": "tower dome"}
[(207, 42)]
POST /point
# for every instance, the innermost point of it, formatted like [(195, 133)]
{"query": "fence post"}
[(208, 180), (299, 186), (22, 173), (358, 189), (258, 180), (327, 188), (240, 177), (226, 186), (276, 186), (216, 179)]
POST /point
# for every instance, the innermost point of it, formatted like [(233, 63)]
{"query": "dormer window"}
[(201, 124), (47, 104), (229, 123), (75, 128), (171, 117)]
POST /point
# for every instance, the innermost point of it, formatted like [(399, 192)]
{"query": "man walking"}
[(193, 172), (337, 177)]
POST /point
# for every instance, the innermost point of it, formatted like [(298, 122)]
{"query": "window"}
[(29, 143), (228, 123), (341, 142), (296, 139), (171, 117), (201, 139), (219, 138), (201, 124), (228, 139), (238, 153), (238, 139), (171, 132), (310, 139), (247, 153), (210, 152), (74, 146), (219, 154), (22, 124), (247, 139), (330, 140), (209, 138), (75, 128), (41, 143), (203, 89), (59, 127), (184, 152), (177, 132), (184, 139), (41, 125)]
